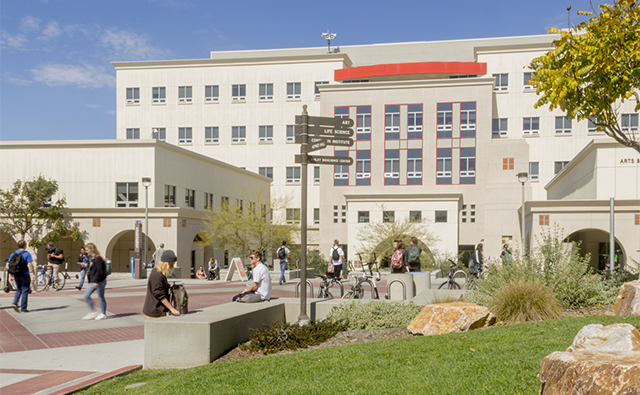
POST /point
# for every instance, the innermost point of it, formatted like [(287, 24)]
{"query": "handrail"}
[(404, 288), (298, 288)]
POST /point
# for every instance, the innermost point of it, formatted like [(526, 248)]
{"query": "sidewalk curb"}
[(88, 383)]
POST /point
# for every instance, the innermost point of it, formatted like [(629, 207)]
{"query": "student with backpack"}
[(399, 258), (335, 267), (283, 255), (20, 262), (156, 302), (97, 282), (413, 255)]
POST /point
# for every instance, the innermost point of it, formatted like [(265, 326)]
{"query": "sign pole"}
[(303, 319)]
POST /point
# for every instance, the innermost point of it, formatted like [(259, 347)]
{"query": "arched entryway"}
[(122, 248), (200, 254), (596, 243), (7, 245)]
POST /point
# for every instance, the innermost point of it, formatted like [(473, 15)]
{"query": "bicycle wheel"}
[(40, 282), (349, 295), (443, 285), (358, 292), (59, 284), (454, 285)]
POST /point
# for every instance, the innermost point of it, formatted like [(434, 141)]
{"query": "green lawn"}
[(501, 360)]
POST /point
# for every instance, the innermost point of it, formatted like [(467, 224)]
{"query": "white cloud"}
[(50, 31), (111, 112), (83, 76), (16, 80), (30, 24), (128, 46), (93, 105), (18, 41)]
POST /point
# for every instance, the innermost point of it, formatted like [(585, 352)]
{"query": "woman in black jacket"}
[(97, 281), (156, 303)]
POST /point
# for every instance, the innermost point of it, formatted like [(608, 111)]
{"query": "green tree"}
[(28, 209), (594, 67), (240, 229)]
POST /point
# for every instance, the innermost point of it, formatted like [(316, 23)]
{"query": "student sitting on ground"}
[(260, 289), (200, 274)]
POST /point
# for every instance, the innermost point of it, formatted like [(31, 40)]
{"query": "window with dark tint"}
[(441, 216)]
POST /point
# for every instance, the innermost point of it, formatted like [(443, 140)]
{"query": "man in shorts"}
[(55, 257)]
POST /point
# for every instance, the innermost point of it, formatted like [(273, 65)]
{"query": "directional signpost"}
[(313, 134)]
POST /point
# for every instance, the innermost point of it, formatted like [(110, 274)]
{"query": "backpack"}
[(107, 267), (282, 254), (414, 255), (178, 298), (330, 268), (17, 265), (335, 255), (396, 259)]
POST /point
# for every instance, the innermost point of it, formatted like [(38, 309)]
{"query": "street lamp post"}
[(522, 178), (146, 181)]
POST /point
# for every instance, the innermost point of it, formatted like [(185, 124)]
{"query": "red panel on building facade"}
[(380, 70)]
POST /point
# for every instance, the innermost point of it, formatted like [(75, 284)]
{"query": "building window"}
[(414, 166), (534, 171), (184, 136), (184, 94), (166, 222), (169, 196), (265, 92), (238, 92), (265, 134), (563, 125), (629, 123), (208, 201), (293, 90), (415, 216), (238, 134), (467, 165), (293, 175), (239, 205), (414, 121), (392, 122), (293, 216), (316, 93), (190, 198), (502, 82), (159, 134), (363, 167), (291, 133), (507, 163), (224, 202), (468, 119), (363, 217), (637, 217), (445, 119), (526, 83), (499, 127), (133, 133), (133, 95), (558, 166), (388, 216), (159, 94), (391, 167), (544, 219), (363, 122), (316, 216), (441, 216), (211, 135), (211, 93), (266, 171), (341, 172), (96, 222), (316, 174), (591, 125), (127, 194), (443, 166), (341, 112), (531, 126)]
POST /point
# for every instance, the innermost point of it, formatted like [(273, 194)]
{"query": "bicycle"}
[(357, 291), (473, 277), (454, 270), (44, 279), (325, 284)]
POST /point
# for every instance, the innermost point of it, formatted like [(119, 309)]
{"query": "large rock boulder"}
[(437, 319), (601, 360), (628, 302)]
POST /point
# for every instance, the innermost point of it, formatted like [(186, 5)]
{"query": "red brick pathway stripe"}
[(95, 380), (94, 336), (48, 379), (15, 337)]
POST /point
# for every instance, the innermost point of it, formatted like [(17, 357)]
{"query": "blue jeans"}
[(283, 267), (103, 302), (23, 282), (82, 276)]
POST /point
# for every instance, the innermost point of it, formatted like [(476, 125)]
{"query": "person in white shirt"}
[(260, 289), (336, 252)]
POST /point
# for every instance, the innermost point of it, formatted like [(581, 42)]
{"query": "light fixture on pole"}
[(522, 178), (146, 182), (329, 36)]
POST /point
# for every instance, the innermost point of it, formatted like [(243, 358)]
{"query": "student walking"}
[(97, 282), (399, 258), (83, 262), (283, 255), (23, 278)]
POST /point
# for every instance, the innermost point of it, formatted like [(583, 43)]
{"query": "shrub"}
[(521, 301), (446, 298), (282, 336), (375, 315)]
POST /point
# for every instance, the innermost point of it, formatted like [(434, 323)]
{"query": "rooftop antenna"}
[(569, 18), (329, 36)]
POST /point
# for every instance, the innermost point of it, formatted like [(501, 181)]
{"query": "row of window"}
[(212, 93), (563, 125), (502, 82), (534, 167), (212, 134), (390, 216)]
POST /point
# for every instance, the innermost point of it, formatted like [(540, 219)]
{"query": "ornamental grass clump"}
[(522, 301), (375, 315)]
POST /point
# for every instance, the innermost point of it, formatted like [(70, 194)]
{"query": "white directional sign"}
[(324, 131), (326, 160), (338, 122), (330, 141)]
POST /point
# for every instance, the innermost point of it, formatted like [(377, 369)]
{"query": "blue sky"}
[(57, 81)]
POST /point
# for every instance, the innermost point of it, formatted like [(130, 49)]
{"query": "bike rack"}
[(341, 288), (298, 288), (404, 288), (373, 291)]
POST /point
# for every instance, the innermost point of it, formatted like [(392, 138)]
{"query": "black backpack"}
[(17, 265), (282, 254), (178, 298), (335, 255)]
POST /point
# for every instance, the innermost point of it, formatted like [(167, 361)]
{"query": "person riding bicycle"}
[(475, 261)]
